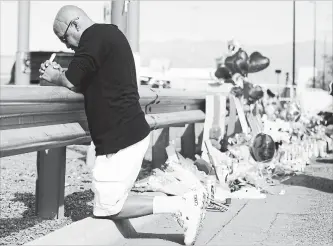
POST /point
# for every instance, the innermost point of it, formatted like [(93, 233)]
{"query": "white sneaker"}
[(192, 215)]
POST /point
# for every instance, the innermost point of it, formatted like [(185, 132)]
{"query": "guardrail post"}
[(188, 141), (175, 134), (182, 137), (198, 131), (241, 114), (50, 183), (233, 120), (160, 140)]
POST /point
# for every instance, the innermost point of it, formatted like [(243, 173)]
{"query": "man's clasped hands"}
[(50, 71)]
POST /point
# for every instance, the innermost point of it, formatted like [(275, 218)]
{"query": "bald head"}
[(73, 18)]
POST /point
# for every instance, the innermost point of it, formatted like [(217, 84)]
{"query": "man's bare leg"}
[(138, 206), (134, 207), (189, 210)]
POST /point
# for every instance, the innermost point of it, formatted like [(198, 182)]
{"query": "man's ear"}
[(76, 25)]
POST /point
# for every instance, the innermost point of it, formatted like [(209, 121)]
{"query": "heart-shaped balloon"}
[(252, 93), (223, 73), (230, 63), (237, 63), (257, 62), (255, 93), (242, 62), (247, 87), (270, 93)]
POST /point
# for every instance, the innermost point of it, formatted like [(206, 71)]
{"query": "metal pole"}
[(324, 65), (294, 51), (278, 71), (22, 65), (133, 33), (314, 43), (278, 82), (107, 13), (294, 37), (118, 14), (133, 25)]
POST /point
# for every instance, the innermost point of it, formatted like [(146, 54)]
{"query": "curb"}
[(92, 231)]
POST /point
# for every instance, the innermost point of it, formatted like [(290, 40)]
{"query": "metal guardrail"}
[(46, 119)]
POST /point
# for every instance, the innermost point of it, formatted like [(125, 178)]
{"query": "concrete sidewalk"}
[(303, 215)]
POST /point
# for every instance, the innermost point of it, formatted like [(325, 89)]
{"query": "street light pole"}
[(118, 14), (314, 42), (278, 72), (294, 50), (107, 13), (324, 65), (133, 33), (294, 37), (22, 64), (133, 24)]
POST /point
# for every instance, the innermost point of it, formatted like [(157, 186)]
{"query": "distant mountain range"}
[(202, 54)]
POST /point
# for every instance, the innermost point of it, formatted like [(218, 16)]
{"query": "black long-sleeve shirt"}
[(103, 67)]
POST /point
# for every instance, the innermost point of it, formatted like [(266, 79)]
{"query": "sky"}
[(250, 22)]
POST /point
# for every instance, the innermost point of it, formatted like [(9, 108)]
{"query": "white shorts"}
[(114, 176)]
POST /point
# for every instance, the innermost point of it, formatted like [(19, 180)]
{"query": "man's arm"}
[(54, 74), (88, 58), (63, 81)]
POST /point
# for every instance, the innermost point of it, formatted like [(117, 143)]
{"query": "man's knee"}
[(109, 217)]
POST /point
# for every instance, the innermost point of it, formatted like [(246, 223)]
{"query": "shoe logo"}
[(196, 203)]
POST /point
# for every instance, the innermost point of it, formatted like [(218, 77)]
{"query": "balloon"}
[(252, 93), (237, 63), (256, 93), (257, 62), (233, 46), (223, 73), (247, 87), (230, 63), (262, 148), (242, 62), (270, 93)]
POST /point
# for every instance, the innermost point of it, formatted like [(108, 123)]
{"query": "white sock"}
[(167, 204)]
